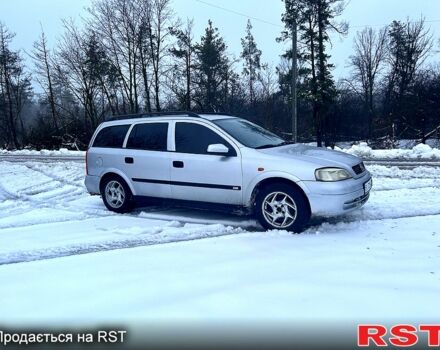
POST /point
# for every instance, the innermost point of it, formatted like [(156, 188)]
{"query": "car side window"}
[(149, 136), (111, 136), (195, 138)]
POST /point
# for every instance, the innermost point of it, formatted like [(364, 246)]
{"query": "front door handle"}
[(129, 160), (178, 164)]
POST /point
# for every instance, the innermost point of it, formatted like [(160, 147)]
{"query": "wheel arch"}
[(115, 173), (277, 180)]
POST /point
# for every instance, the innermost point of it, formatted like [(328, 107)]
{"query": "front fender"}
[(247, 195)]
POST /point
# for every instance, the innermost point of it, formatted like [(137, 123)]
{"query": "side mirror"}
[(218, 149)]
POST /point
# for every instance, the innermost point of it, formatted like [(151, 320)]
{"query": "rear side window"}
[(149, 136), (111, 136), (195, 138)]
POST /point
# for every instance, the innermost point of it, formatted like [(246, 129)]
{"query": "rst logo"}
[(401, 335)]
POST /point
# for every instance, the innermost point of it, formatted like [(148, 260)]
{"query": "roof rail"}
[(216, 113), (161, 114), (151, 114)]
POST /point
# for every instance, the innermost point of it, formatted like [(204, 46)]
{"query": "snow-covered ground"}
[(44, 152), (65, 259), (420, 151)]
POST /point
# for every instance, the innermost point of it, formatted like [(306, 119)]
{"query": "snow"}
[(43, 152), (65, 259), (347, 271), (420, 151)]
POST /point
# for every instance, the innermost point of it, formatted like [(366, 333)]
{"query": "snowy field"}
[(65, 259)]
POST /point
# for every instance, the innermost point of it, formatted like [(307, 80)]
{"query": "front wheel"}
[(282, 207), (116, 195)]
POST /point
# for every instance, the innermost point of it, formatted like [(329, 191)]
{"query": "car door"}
[(147, 160), (197, 175)]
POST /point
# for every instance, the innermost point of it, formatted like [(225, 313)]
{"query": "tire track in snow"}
[(7, 194), (83, 216), (54, 192), (72, 250), (60, 203), (37, 188), (193, 215), (57, 178), (63, 194), (31, 202), (59, 252), (317, 222)]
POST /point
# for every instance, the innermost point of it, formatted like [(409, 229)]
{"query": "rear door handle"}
[(178, 164), (129, 160)]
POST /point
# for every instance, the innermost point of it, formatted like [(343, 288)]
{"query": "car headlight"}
[(331, 174)]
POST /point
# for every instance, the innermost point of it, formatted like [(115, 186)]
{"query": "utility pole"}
[(294, 81)]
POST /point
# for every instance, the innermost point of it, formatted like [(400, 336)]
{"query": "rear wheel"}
[(283, 207), (116, 195)]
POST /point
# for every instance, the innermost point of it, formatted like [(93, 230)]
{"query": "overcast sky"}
[(24, 17)]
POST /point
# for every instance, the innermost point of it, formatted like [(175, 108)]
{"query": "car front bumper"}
[(336, 198)]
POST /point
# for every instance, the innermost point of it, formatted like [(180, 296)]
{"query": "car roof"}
[(216, 116), (164, 117)]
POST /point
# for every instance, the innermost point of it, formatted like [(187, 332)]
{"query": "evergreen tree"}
[(251, 56), (409, 46), (212, 67), (184, 51), (315, 20)]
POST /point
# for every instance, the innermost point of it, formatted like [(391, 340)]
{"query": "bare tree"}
[(145, 54), (135, 35), (160, 22), (409, 46), (14, 89), (118, 25), (369, 59), (77, 70), (44, 71)]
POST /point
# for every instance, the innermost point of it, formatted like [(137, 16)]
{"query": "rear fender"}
[(122, 175)]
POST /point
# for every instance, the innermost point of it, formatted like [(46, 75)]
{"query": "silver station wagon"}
[(221, 161)]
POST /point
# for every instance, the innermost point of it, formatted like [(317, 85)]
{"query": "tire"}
[(116, 194), (282, 207)]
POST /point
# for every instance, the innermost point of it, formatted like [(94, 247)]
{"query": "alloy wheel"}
[(114, 194), (279, 209)]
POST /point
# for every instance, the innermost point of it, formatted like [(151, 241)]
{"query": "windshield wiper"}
[(275, 145), (285, 143), (266, 146)]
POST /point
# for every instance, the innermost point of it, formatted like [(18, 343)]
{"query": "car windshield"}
[(250, 134)]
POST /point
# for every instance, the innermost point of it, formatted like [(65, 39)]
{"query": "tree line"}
[(135, 56)]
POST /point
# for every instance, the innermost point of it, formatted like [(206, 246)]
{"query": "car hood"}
[(317, 155)]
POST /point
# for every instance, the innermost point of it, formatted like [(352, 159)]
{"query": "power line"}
[(280, 26), (240, 14)]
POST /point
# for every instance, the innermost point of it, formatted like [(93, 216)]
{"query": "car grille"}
[(359, 168)]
